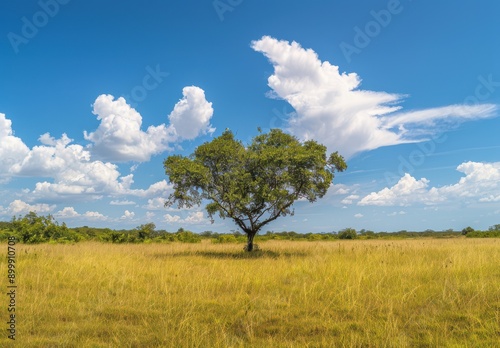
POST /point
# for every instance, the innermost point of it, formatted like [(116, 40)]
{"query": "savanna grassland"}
[(402, 293)]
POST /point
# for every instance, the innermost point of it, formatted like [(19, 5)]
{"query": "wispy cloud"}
[(332, 108)]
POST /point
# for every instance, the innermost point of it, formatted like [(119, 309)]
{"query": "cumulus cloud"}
[(68, 172), (171, 218), (71, 172), (94, 215), (395, 213), (349, 199), (191, 115), (119, 137), (481, 183), (125, 202), (331, 108), (156, 203), (71, 213), (67, 212), (12, 149), (193, 218), (69, 166), (128, 215), (19, 207), (402, 193), (160, 188)]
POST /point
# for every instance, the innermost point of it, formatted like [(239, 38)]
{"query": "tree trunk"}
[(250, 236)]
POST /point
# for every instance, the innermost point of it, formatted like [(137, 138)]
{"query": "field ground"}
[(408, 293)]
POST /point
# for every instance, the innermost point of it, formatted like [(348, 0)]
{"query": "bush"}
[(32, 229), (467, 230), (315, 236), (187, 237), (348, 233), (486, 234), (225, 238)]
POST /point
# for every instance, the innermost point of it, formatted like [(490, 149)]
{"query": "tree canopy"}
[(254, 184)]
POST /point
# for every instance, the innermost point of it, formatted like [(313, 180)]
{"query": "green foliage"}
[(252, 185), (187, 237), (485, 234), (467, 230), (145, 231), (225, 238), (494, 228), (348, 233), (209, 234), (33, 229), (314, 236)]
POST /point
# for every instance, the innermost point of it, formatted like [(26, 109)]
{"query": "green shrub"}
[(187, 237), (486, 234), (225, 238), (348, 233)]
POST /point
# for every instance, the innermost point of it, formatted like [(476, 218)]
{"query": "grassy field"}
[(410, 293)]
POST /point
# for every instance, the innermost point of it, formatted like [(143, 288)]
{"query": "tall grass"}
[(412, 293)]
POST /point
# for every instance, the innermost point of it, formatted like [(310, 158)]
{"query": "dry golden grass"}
[(411, 293)]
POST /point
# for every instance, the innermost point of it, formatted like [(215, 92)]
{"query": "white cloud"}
[(172, 218), (481, 183), (332, 109), (128, 215), (125, 202), (349, 199), (338, 189), (193, 218), (490, 198), (119, 137), (160, 188), (402, 193), (67, 212), (71, 172), (395, 213), (358, 216), (70, 167), (70, 213), (20, 207), (191, 115), (12, 148), (93, 215), (157, 203)]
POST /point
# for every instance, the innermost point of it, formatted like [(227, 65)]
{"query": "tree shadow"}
[(258, 254)]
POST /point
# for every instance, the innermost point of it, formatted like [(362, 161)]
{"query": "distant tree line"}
[(33, 228)]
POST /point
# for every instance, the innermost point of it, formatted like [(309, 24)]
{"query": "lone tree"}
[(252, 185)]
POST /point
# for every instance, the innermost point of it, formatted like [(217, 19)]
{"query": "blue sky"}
[(94, 95)]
